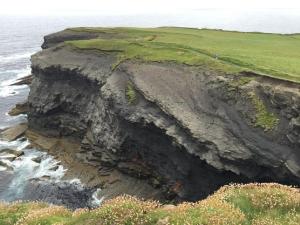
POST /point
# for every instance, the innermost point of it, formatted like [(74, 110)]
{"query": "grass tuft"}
[(250, 204), (241, 81), (263, 118), (130, 94)]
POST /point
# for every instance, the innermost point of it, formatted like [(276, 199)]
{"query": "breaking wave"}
[(15, 57), (7, 90)]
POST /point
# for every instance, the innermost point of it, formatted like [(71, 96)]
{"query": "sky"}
[(128, 7)]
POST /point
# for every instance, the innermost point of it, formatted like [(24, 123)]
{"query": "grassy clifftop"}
[(257, 204), (272, 55)]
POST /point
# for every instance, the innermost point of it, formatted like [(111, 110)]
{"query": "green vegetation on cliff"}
[(263, 117), (256, 204), (130, 93), (271, 55)]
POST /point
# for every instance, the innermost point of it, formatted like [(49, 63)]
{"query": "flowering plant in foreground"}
[(256, 204)]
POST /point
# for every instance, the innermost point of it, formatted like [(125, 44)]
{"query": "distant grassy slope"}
[(232, 52), (252, 204)]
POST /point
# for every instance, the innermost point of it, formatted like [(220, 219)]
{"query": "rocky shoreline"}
[(67, 190), (159, 130), (67, 150), (29, 174)]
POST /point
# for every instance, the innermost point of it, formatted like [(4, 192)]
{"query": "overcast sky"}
[(111, 7)]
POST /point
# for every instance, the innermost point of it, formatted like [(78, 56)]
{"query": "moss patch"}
[(241, 81), (238, 82), (263, 118), (130, 93)]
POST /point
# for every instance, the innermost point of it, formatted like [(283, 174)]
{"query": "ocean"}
[(22, 36)]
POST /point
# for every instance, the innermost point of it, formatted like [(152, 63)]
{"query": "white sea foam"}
[(19, 74), (15, 57), (25, 169), (33, 170), (75, 181), (23, 145), (96, 201), (7, 90), (15, 71)]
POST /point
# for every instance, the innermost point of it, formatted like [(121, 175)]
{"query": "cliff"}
[(184, 126)]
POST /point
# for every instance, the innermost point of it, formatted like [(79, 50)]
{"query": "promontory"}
[(184, 110)]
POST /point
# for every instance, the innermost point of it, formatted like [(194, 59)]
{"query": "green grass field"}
[(251, 204), (271, 55)]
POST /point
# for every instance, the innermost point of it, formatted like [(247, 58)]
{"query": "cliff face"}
[(187, 130)]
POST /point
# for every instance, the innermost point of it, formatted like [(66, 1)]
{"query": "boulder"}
[(24, 81), (13, 152), (37, 159), (21, 108), (14, 132), (8, 157)]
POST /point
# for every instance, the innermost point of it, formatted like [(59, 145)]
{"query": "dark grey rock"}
[(24, 81), (72, 196), (187, 127), (37, 159), (54, 168)]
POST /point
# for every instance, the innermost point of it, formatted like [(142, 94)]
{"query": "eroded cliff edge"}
[(186, 130)]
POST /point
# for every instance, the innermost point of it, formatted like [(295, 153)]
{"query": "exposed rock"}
[(111, 181), (53, 39), (68, 35), (38, 179), (70, 195), (8, 157), (54, 168), (13, 152), (20, 108), (5, 165), (190, 129), (24, 81), (10, 154), (14, 132), (134, 169), (37, 159)]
